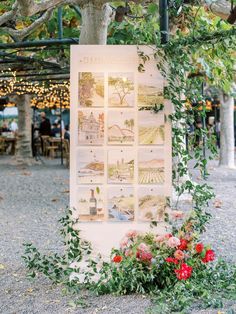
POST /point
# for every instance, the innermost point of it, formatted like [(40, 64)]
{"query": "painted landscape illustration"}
[(121, 204), (151, 128), (120, 127), (90, 203), (90, 166), (90, 127), (150, 89), (151, 167), (121, 90), (91, 89), (151, 205), (120, 166)]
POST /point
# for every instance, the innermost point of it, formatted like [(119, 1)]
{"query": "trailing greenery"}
[(209, 288), (141, 266), (58, 268)]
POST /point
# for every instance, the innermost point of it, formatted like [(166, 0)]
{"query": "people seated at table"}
[(67, 133), (14, 126), (61, 123), (45, 125), (56, 130), (4, 128)]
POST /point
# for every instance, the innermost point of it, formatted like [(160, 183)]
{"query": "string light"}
[(45, 95)]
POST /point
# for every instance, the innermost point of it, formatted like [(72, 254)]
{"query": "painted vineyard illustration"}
[(90, 166), (90, 127), (90, 203), (151, 205), (120, 166), (151, 166), (151, 128), (91, 89), (120, 204), (120, 127), (121, 90), (150, 89)]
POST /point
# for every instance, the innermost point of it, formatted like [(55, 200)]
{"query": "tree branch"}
[(9, 15), (30, 7), (221, 8), (21, 34)]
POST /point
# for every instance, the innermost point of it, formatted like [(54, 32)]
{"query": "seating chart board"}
[(120, 157)]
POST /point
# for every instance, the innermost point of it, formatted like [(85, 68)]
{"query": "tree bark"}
[(227, 132), (23, 146), (95, 21), (221, 8), (19, 35)]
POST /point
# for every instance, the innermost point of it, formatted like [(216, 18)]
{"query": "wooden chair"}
[(44, 139), (50, 149), (2, 145)]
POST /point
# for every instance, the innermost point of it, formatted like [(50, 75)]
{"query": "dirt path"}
[(31, 202)]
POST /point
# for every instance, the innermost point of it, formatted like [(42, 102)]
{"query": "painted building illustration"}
[(91, 128)]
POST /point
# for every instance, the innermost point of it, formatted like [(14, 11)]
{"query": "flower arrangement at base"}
[(174, 268), (146, 262)]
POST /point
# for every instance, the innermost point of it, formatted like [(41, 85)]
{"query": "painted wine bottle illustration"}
[(92, 204)]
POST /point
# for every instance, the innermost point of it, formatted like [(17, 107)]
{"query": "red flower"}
[(183, 244), (172, 260), (117, 259), (144, 256), (199, 248), (209, 256), (184, 272)]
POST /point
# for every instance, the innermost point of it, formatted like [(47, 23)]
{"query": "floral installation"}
[(181, 256), (173, 267)]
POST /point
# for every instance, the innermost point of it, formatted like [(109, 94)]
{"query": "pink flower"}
[(168, 236), (132, 234), (128, 253), (144, 256), (173, 242), (160, 238), (124, 242), (177, 214), (179, 255), (143, 247), (143, 253)]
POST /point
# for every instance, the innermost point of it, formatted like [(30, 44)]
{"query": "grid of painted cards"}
[(120, 150)]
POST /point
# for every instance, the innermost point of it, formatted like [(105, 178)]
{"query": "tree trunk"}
[(227, 132), (95, 21), (23, 147)]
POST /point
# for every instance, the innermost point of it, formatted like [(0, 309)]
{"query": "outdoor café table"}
[(54, 145), (10, 141)]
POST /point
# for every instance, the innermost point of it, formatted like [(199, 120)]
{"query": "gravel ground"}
[(32, 200)]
